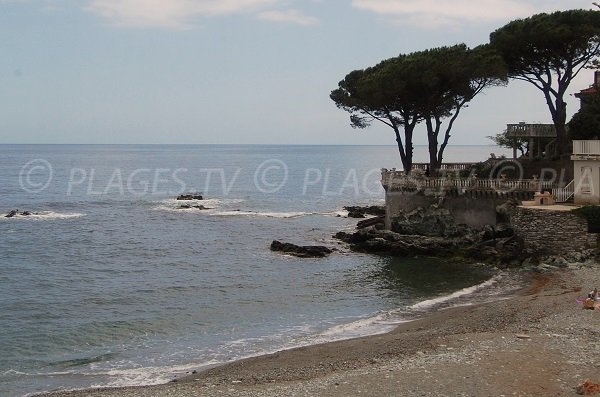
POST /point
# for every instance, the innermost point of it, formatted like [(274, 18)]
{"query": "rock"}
[(588, 388), (307, 251), (504, 211), (12, 213), (504, 230), (370, 222), (386, 242), (432, 222), (188, 206), (26, 213), (374, 210), (560, 262), (190, 196), (488, 233), (356, 214)]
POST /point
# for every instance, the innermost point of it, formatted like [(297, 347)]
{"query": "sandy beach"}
[(538, 343)]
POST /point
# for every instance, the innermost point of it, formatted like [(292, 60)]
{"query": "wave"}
[(283, 215), (174, 205), (387, 321), (430, 303), (42, 216)]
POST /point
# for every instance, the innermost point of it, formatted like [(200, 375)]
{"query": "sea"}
[(110, 283)]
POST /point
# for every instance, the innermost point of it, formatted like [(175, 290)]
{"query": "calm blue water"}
[(111, 284)]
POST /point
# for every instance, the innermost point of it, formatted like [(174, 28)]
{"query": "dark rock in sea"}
[(307, 251), (12, 213), (26, 213), (190, 196), (386, 242), (360, 212)]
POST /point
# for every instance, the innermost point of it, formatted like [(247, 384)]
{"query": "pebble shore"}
[(539, 343)]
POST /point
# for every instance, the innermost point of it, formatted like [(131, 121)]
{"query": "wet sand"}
[(538, 343)]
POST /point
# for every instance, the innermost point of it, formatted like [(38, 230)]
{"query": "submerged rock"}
[(188, 206), (12, 213), (307, 251)]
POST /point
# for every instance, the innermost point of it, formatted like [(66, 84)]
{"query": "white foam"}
[(43, 216), (262, 214), (147, 376), (340, 213), (174, 205), (379, 324), (427, 304)]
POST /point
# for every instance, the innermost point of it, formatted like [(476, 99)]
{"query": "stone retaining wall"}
[(475, 212), (551, 232)]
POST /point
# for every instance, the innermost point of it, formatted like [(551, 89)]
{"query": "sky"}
[(234, 71)]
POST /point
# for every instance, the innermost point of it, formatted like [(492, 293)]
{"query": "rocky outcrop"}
[(190, 196), (433, 232), (362, 211), (307, 251), (385, 242), (13, 213), (433, 221)]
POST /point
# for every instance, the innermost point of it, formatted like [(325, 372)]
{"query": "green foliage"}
[(548, 51), (585, 124), (428, 85), (592, 214), (503, 140)]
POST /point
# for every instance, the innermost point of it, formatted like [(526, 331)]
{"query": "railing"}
[(523, 130), (563, 194), (444, 166), (586, 147), (397, 180)]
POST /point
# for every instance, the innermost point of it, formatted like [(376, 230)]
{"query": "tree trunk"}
[(406, 162), (432, 135), (560, 120), (406, 152)]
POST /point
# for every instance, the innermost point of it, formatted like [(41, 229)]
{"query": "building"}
[(585, 95), (539, 138), (586, 182)]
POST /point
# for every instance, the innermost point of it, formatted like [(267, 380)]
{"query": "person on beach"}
[(594, 295)]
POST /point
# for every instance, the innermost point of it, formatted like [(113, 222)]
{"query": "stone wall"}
[(549, 232), (475, 212)]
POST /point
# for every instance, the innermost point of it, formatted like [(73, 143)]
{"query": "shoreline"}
[(448, 352)]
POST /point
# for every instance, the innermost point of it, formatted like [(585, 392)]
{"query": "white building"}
[(586, 182)]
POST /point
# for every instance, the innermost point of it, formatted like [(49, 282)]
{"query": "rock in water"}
[(307, 251), (188, 206), (12, 213), (360, 212), (190, 196)]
